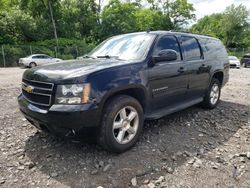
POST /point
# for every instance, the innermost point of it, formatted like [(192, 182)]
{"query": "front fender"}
[(110, 81)]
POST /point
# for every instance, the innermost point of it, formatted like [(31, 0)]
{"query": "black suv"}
[(123, 81), (245, 61)]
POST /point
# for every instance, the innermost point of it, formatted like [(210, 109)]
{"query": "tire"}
[(209, 101), (33, 64), (118, 111)]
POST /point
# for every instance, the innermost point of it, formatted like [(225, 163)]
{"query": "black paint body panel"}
[(164, 85)]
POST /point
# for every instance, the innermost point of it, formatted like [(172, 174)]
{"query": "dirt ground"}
[(191, 148)]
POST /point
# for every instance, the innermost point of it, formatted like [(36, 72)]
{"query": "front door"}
[(167, 79)]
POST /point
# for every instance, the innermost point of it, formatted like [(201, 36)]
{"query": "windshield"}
[(233, 58), (126, 47)]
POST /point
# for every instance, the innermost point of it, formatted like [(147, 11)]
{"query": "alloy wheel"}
[(125, 125), (214, 94)]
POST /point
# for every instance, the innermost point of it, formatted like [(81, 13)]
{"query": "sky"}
[(207, 7)]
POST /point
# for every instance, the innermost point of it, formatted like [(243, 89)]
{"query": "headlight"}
[(72, 94)]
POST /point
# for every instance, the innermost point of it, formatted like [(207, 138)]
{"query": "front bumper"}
[(235, 66), (64, 120), (247, 64)]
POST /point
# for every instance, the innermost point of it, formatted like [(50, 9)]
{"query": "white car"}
[(37, 60), (234, 62)]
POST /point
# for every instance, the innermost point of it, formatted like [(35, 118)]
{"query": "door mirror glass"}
[(166, 55)]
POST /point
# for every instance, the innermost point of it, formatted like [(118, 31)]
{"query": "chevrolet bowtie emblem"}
[(29, 89)]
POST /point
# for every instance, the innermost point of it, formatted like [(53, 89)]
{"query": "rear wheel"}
[(122, 124), (33, 64), (212, 97)]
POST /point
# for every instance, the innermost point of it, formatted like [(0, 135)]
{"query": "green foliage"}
[(12, 54), (16, 26), (118, 18), (230, 26), (26, 26), (68, 49), (210, 25), (234, 23), (23, 21), (179, 11), (149, 19), (7, 4)]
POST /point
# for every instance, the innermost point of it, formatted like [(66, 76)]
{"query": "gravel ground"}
[(191, 148)]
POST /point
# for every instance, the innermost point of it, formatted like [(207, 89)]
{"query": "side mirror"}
[(165, 55)]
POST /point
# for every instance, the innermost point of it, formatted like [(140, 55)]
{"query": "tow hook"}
[(72, 131)]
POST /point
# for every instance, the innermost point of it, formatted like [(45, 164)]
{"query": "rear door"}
[(167, 79), (46, 59), (37, 59), (197, 67)]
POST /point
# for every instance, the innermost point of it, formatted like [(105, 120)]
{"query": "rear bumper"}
[(65, 120)]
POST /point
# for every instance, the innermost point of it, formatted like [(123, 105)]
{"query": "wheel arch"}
[(218, 75), (32, 62), (137, 92)]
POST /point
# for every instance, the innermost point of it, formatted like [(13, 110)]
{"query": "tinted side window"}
[(191, 47), (44, 57), (168, 42)]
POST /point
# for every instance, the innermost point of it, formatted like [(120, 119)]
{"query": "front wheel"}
[(33, 64), (122, 124), (212, 97)]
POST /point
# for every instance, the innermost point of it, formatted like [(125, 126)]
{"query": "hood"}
[(234, 61), (70, 69)]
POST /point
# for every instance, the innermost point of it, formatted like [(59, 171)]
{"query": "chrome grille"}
[(41, 93)]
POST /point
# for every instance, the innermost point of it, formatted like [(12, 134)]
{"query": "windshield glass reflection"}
[(125, 47)]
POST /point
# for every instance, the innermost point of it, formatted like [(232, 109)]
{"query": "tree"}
[(148, 19), (178, 11), (48, 10), (234, 23), (15, 26), (209, 25), (245, 37), (118, 18), (88, 18), (7, 4), (78, 19), (231, 26)]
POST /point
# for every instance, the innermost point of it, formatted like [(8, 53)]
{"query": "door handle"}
[(181, 70)]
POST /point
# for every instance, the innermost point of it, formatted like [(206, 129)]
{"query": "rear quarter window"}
[(214, 48)]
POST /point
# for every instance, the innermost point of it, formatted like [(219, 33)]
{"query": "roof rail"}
[(192, 33), (180, 31)]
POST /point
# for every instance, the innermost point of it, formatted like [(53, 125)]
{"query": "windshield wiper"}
[(87, 56), (107, 56), (110, 57)]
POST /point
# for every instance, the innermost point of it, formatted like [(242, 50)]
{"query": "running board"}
[(169, 110)]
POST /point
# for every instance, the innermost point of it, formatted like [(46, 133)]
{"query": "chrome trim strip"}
[(48, 95), (36, 93), (46, 89), (34, 108), (52, 84)]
